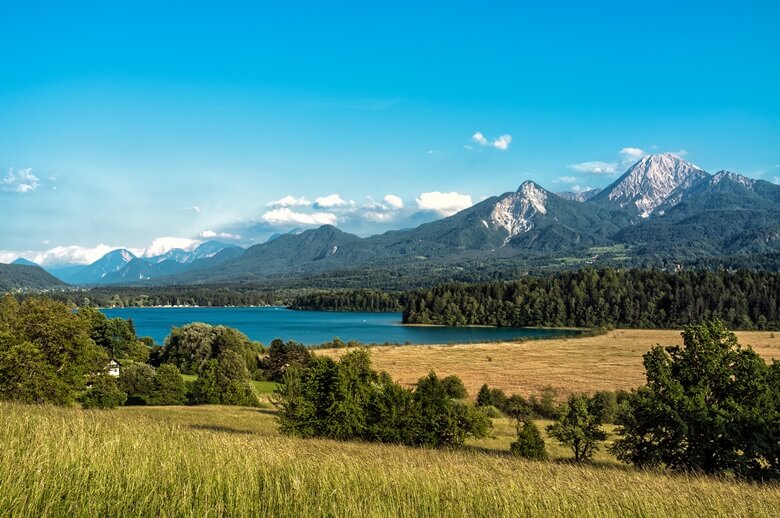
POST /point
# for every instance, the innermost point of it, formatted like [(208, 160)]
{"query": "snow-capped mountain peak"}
[(650, 182)]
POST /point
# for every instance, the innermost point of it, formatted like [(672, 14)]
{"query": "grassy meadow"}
[(606, 362), (228, 461)]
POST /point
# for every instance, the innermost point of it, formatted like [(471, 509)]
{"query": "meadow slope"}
[(227, 461)]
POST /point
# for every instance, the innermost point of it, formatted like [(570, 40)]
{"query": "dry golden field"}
[(607, 362)]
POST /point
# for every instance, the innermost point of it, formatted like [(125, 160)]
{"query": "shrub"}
[(529, 443), (491, 397), (491, 411), (104, 393), (545, 406), (455, 387), (349, 400)]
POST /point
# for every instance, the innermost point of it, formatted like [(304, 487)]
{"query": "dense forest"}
[(352, 300), (590, 298)]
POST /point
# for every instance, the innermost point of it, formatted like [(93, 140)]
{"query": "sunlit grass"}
[(228, 461)]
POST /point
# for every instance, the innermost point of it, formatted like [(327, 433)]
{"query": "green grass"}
[(228, 461), (262, 387)]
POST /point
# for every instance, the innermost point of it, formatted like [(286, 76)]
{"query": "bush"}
[(491, 397), (545, 406), (455, 387), (349, 400), (491, 411), (529, 443), (104, 393), (169, 387)]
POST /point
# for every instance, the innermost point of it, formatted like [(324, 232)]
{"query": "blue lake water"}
[(316, 327)]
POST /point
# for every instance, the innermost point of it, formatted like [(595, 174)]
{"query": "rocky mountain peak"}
[(515, 212), (649, 182)]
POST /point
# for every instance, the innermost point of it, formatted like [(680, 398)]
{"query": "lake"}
[(316, 327)]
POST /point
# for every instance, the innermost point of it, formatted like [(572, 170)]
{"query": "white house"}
[(113, 368)]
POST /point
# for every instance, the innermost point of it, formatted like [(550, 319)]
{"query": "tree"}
[(529, 443), (442, 421), (578, 429), (455, 387), (349, 400), (46, 352), (484, 397), (282, 355), (710, 406), (189, 347), (224, 381), (26, 376), (138, 381), (103, 394), (169, 387)]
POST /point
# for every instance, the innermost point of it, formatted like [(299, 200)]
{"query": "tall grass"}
[(224, 461)]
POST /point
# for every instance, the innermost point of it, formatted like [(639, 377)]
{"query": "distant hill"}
[(22, 277)]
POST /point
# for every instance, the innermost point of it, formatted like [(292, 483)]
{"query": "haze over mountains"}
[(662, 206)]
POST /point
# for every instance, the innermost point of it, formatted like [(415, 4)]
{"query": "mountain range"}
[(121, 266), (662, 208)]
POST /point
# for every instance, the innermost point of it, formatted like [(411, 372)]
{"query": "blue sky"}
[(153, 126)]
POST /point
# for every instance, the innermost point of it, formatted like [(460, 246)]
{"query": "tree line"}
[(370, 301), (589, 298)]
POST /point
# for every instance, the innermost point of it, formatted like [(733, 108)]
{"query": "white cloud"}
[(567, 179), (330, 201), (394, 201), (209, 234), (290, 201), (285, 216), (58, 255), (382, 212), (680, 152), (20, 180), (594, 167), (443, 203), (501, 142), (195, 209), (480, 139), (631, 154), (163, 244)]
